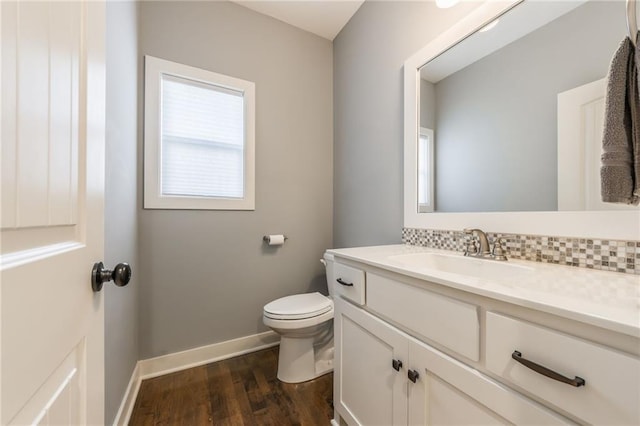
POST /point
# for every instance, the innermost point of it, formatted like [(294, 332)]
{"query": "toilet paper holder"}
[(266, 238)]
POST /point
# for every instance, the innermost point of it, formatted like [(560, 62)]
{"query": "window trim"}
[(427, 207), (153, 198)]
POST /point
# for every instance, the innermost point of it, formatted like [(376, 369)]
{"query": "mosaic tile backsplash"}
[(606, 255)]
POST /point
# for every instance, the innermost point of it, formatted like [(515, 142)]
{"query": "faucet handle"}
[(472, 247), (498, 252)]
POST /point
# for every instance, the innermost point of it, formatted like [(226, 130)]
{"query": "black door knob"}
[(413, 375), (121, 275)]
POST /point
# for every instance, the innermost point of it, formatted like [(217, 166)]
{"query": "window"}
[(425, 171), (199, 139)]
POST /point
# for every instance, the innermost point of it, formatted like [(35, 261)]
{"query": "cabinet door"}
[(434, 401), (448, 392), (367, 388)]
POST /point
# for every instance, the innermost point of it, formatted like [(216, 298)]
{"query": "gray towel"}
[(620, 172)]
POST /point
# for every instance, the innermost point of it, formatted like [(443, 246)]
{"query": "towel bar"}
[(632, 21)]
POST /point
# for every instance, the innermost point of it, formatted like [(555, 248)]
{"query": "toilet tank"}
[(328, 264)]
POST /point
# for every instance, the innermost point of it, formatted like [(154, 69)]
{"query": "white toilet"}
[(305, 325)]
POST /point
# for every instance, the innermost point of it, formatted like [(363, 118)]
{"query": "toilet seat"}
[(298, 306), (297, 326)]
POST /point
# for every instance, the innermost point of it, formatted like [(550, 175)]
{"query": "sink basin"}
[(469, 266)]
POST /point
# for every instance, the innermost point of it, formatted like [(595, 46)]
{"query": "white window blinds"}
[(202, 139), (199, 138)]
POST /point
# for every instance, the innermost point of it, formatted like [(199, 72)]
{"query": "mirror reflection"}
[(511, 117)]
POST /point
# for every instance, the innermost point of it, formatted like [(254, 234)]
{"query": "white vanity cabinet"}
[(384, 377), (410, 353)]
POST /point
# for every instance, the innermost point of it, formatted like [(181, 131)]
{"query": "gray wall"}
[(427, 104), (496, 132), (207, 274), (121, 304), (368, 55)]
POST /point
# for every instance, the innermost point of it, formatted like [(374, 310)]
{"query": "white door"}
[(52, 325), (580, 128)]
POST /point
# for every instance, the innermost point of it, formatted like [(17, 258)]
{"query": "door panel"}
[(448, 406), (52, 212), (56, 401), (371, 392), (445, 383), (40, 138)]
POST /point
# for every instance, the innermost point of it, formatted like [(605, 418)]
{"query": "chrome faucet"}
[(484, 250), (484, 242)]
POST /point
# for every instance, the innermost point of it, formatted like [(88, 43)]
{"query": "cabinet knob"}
[(396, 364), (413, 375)]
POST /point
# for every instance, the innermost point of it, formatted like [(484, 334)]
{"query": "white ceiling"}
[(321, 17)]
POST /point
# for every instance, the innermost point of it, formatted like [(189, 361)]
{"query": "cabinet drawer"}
[(449, 322), (349, 283), (611, 393), (449, 392)]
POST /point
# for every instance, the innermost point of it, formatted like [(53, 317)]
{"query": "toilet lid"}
[(298, 306)]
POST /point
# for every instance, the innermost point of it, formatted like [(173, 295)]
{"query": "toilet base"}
[(324, 362), (299, 361)]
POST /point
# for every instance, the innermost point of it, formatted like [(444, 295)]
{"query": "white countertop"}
[(609, 300)]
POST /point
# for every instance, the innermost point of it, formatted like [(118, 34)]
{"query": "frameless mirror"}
[(510, 118)]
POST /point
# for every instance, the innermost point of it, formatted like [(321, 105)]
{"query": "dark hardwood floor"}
[(234, 392)]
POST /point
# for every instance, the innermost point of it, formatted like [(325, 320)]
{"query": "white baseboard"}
[(129, 398), (334, 422), (159, 366), (177, 361)]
